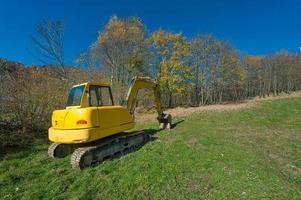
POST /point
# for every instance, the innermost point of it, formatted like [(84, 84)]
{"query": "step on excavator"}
[(92, 128)]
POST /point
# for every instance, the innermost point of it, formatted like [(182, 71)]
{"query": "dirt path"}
[(182, 112)]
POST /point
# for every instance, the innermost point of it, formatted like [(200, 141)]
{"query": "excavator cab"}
[(89, 95), (90, 114)]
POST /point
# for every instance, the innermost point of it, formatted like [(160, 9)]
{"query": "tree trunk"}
[(170, 100)]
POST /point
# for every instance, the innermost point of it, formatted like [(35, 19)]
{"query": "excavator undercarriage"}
[(91, 154)]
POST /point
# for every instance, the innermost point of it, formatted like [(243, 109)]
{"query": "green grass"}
[(249, 154)]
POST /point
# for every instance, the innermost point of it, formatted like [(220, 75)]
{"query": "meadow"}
[(252, 153)]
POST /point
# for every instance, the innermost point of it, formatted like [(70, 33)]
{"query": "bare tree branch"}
[(49, 42)]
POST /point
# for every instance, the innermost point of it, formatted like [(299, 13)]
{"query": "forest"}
[(190, 71)]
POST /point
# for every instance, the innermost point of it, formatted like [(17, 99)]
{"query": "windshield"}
[(75, 96)]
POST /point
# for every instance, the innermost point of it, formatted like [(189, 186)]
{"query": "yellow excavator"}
[(93, 128)]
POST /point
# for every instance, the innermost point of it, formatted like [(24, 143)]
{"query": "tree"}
[(297, 72), (254, 79), (204, 56), (173, 72), (49, 43), (233, 76), (85, 60), (278, 72), (123, 49)]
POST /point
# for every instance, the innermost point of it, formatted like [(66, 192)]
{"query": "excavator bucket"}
[(165, 121)]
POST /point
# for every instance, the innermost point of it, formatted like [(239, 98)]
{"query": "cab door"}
[(101, 97)]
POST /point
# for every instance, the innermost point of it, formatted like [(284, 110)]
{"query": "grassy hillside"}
[(247, 154)]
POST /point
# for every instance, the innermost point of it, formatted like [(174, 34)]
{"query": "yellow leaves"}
[(121, 30), (165, 42), (122, 48), (253, 59), (172, 49), (253, 62)]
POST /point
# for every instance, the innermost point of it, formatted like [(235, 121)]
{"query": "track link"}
[(88, 156), (51, 149)]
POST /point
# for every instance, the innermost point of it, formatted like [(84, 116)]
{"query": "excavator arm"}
[(147, 83)]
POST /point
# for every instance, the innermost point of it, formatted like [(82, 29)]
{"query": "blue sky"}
[(257, 27)]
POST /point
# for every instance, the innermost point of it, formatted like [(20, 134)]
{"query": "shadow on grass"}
[(147, 134), (177, 123)]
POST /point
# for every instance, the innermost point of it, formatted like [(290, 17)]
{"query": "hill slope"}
[(251, 153)]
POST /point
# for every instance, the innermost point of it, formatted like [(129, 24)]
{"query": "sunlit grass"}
[(248, 154)]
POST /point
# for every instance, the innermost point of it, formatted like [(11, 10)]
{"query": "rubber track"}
[(76, 157)]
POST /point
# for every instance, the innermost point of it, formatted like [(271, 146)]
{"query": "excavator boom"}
[(147, 83)]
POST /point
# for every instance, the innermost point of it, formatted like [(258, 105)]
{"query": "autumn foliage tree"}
[(123, 49), (205, 58), (233, 76), (254, 78), (173, 71)]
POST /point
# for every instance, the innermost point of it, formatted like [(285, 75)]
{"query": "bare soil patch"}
[(227, 106)]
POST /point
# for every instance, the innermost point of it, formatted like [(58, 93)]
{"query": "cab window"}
[(75, 96), (105, 96), (93, 100), (100, 96)]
